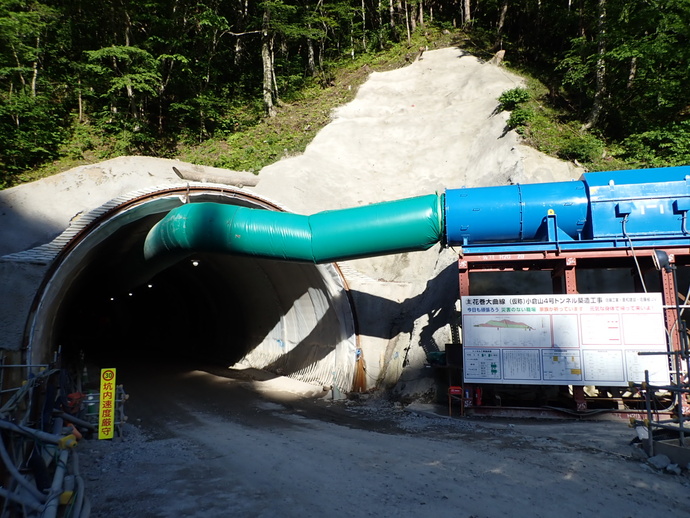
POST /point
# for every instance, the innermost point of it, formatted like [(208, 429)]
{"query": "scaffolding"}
[(41, 422), (669, 436)]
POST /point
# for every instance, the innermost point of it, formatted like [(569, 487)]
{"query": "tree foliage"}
[(151, 73)]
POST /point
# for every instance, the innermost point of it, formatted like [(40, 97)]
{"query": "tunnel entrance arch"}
[(102, 301)]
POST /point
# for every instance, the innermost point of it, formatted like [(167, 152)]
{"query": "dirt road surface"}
[(217, 443)]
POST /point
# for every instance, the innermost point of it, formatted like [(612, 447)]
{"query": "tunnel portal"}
[(103, 302)]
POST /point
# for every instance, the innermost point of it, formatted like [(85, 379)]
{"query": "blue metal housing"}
[(618, 209)]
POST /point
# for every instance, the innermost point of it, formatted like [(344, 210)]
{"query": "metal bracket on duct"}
[(384, 228)]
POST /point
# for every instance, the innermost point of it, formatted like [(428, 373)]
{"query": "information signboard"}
[(106, 408), (564, 339)]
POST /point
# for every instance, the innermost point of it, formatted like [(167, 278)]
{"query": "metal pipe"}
[(648, 407), (86, 508), (61, 441), (4, 365), (78, 497), (74, 420), (21, 480), (80, 501), (51, 506), (12, 402), (31, 504)]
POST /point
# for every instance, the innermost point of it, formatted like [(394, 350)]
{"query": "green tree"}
[(28, 114)]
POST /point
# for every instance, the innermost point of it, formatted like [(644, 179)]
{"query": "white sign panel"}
[(564, 339)]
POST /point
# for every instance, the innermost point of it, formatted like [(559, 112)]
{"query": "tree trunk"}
[(501, 23), (600, 92), (380, 22), (239, 50), (391, 14), (311, 61), (34, 78), (364, 27), (80, 103), (412, 16), (128, 84), (392, 22), (274, 84), (266, 44), (466, 16), (19, 66), (632, 73)]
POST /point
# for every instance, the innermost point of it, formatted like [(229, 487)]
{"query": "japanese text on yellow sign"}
[(106, 408)]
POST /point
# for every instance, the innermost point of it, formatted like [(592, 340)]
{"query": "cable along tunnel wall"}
[(100, 295)]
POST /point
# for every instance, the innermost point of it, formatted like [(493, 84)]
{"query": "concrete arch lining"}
[(101, 299)]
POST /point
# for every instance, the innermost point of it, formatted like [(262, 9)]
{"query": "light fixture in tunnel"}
[(195, 262)]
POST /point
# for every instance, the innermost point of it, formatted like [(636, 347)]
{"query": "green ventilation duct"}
[(382, 228)]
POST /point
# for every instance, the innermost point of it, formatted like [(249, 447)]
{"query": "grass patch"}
[(555, 132)]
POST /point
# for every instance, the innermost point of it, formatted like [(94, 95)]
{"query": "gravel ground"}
[(203, 444)]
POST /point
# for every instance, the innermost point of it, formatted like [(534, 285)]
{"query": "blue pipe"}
[(513, 213)]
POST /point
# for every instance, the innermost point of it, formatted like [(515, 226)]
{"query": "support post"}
[(563, 278)]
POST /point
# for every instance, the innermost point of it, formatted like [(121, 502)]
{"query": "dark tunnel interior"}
[(184, 312)]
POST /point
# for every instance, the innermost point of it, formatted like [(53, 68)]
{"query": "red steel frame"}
[(563, 267)]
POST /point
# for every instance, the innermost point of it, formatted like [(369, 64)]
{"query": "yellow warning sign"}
[(106, 408)]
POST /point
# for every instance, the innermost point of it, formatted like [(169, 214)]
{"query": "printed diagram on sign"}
[(603, 365), (521, 364), (656, 365), (516, 331), (565, 331), (483, 364), (600, 329), (505, 324), (562, 365)]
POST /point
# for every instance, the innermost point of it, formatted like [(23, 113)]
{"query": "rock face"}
[(418, 130)]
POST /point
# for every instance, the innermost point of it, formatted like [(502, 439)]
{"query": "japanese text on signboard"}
[(564, 339), (106, 410)]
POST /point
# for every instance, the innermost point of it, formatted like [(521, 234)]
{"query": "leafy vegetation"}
[(510, 99), (242, 84)]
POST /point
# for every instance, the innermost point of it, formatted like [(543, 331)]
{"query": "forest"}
[(144, 77)]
